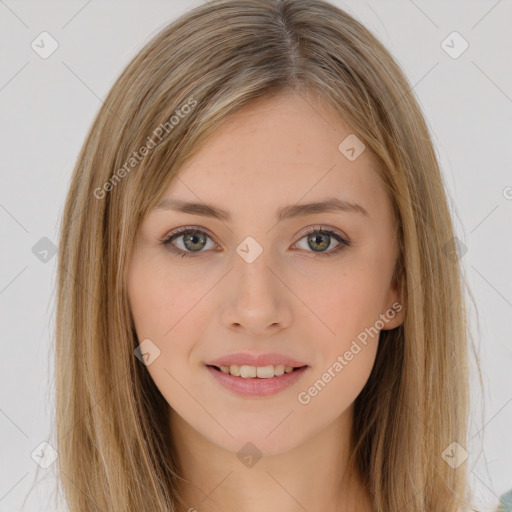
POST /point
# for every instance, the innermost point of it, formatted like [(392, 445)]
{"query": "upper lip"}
[(242, 358)]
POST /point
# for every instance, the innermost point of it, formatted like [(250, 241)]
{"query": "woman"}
[(260, 302)]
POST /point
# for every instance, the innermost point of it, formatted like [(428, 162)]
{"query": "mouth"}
[(256, 381), (256, 372)]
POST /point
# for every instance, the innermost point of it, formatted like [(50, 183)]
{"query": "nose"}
[(257, 300)]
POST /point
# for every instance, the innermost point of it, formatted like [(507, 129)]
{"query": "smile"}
[(260, 372), (256, 380)]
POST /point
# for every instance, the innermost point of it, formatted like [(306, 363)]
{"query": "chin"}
[(258, 439)]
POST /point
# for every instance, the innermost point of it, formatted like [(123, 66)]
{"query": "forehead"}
[(279, 151)]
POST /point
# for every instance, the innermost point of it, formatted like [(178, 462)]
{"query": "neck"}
[(312, 476)]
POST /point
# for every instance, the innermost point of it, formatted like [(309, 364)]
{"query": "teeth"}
[(262, 372)]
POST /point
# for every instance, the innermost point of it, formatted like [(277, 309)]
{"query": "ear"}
[(394, 309)]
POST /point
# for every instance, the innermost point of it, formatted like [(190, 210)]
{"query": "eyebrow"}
[(331, 204)]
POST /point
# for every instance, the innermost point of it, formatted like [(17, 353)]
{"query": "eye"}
[(195, 239), (318, 238)]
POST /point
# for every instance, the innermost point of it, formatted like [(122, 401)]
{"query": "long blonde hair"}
[(115, 452)]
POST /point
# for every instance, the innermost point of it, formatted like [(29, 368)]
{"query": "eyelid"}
[(184, 229), (324, 228)]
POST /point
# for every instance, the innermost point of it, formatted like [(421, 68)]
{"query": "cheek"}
[(159, 303), (158, 297), (349, 302), (334, 388), (349, 307), (150, 303), (169, 311)]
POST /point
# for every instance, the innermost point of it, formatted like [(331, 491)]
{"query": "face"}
[(309, 288)]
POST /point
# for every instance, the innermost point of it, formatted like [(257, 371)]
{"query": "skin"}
[(273, 153)]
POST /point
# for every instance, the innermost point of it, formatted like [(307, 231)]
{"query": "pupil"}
[(193, 237), (325, 237)]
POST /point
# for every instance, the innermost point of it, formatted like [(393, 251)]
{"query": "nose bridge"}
[(257, 297), (252, 268)]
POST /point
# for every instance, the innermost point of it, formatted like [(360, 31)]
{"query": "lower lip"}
[(256, 386)]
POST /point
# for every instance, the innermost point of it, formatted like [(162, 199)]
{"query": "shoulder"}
[(501, 504), (505, 502)]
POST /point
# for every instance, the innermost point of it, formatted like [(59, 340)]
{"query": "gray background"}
[(48, 105)]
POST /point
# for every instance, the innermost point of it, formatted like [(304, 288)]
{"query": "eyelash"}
[(190, 229)]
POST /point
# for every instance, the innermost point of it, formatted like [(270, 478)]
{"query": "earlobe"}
[(393, 315)]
